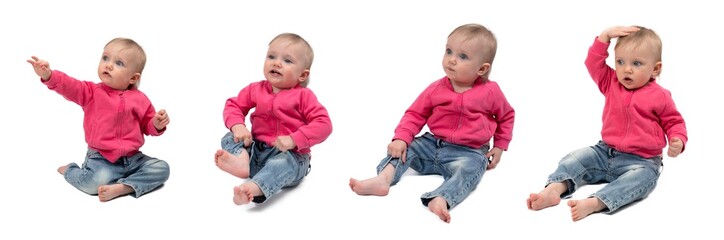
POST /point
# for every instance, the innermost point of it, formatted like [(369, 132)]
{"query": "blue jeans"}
[(462, 167), (269, 168), (630, 177), (140, 172)]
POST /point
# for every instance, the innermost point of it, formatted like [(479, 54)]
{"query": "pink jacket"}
[(295, 112), (634, 121), (114, 120), (470, 118)]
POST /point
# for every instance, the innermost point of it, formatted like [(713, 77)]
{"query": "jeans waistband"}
[(612, 152), (441, 143)]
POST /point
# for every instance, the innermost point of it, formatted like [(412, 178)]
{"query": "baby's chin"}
[(105, 79), (630, 84)]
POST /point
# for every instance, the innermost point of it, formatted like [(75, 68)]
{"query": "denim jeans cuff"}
[(609, 204), (427, 197), (135, 192), (265, 191), (570, 187)]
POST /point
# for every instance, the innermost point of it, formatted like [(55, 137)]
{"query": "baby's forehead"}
[(469, 44), (121, 49)]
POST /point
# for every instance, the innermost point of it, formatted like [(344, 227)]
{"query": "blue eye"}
[(288, 61), (448, 51), (464, 56), (619, 62), (119, 63), (637, 63), (270, 57), (104, 58)]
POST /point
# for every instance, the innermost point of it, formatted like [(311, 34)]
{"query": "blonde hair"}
[(487, 38), (141, 56), (643, 36), (296, 39)]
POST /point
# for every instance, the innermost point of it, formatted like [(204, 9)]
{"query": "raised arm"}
[(74, 90), (602, 74)]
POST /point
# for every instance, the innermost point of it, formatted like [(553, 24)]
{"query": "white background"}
[(372, 58)]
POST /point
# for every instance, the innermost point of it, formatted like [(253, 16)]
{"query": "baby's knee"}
[(159, 167), (227, 139), (578, 156), (569, 161), (228, 144), (641, 173), (468, 166)]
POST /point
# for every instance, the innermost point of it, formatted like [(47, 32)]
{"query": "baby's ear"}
[(657, 69), (135, 78), (484, 69), (304, 76)]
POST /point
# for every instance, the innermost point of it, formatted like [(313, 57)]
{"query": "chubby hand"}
[(241, 134), (161, 119), (614, 32), (284, 143), (398, 149), (675, 147), (493, 157), (41, 67)]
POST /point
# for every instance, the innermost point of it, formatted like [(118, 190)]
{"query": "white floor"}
[(366, 72)]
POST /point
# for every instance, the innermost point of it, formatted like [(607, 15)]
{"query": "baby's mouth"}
[(275, 72)]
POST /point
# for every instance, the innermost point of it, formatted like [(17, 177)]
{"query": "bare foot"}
[(109, 192), (584, 207), (62, 169), (550, 196), (242, 195), (376, 186), (538, 201), (438, 205), (234, 165)]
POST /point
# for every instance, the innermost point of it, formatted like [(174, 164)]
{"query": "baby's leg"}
[(584, 165), (143, 175), (244, 193), (109, 192), (438, 205), (235, 165), (636, 178), (462, 169), (376, 186), (548, 197), (95, 171), (582, 208)]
